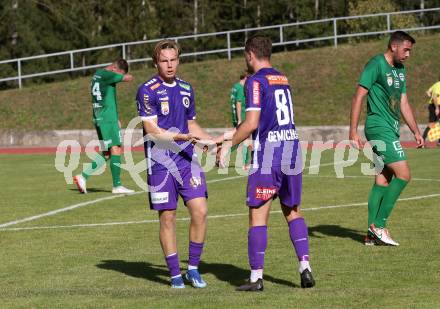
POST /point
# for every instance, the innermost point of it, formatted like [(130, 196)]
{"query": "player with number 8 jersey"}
[(276, 166), (277, 127)]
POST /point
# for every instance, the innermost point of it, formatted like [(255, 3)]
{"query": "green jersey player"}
[(106, 121), (238, 108), (383, 81)]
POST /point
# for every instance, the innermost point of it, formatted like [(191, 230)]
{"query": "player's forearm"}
[(156, 133), (409, 118), (356, 106), (238, 109), (243, 131), (196, 130)]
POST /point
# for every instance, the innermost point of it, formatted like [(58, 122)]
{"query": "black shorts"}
[(432, 116)]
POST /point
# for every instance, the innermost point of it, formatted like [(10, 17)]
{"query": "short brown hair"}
[(122, 64), (399, 37), (165, 44), (260, 45)]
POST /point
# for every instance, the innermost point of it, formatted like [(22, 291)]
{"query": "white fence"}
[(283, 40)]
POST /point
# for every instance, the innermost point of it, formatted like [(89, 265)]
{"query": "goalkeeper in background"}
[(434, 108), (107, 124)]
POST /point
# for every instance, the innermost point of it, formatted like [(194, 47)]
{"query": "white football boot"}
[(122, 190)]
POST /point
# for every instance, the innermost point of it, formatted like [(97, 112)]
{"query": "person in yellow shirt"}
[(434, 107)]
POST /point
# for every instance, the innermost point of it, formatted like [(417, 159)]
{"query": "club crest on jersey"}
[(185, 101), (389, 80), (256, 92), (164, 108)]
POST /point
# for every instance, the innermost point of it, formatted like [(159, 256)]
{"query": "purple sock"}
[(195, 251), (257, 244), (173, 264), (299, 236)]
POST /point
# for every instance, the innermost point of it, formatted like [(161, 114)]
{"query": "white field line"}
[(68, 208), (420, 197), (54, 212)]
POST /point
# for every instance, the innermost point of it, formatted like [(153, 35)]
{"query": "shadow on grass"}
[(336, 231), (234, 275), (93, 190), (143, 270)]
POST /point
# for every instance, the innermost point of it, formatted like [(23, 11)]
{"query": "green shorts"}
[(386, 145), (109, 134)]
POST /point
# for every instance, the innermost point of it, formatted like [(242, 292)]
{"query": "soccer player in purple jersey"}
[(276, 166), (166, 107)]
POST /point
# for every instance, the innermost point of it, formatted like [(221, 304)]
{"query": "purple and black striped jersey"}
[(172, 105), (275, 140)]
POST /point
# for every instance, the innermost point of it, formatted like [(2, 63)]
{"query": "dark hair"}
[(122, 64), (165, 44), (243, 74), (260, 45), (399, 37)]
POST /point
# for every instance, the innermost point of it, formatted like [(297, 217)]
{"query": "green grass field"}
[(78, 259)]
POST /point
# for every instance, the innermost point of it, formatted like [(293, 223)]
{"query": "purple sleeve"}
[(146, 103), (191, 111), (253, 93)]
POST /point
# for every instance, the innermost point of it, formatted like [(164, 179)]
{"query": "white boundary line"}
[(68, 208), (54, 212), (421, 197)]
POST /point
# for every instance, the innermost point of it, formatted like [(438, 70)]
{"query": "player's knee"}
[(200, 214)]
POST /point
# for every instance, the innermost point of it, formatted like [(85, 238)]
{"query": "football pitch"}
[(60, 249)]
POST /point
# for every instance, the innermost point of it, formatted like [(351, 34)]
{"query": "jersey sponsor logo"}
[(277, 80), (159, 197), (164, 99), (147, 105), (185, 86), (399, 149), (163, 91), (165, 108), (185, 101), (195, 182), (256, 92), (150, 82), (402, 77), (155, 86), (185, 93), (282, 135), (263, 193), (96, 105)]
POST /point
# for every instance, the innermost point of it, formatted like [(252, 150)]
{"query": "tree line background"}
[(33, 27)]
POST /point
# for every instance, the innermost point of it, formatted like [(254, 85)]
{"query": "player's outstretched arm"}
[(157, 133), (410, 120), (196, 130), (356, 106)]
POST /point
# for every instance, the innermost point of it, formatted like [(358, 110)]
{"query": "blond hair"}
[(165, 44)]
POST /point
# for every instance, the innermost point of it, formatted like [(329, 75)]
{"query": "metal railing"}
[(228, 49)]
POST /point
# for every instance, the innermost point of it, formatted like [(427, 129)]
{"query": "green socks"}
[(390, 197), (96, 164), (115, 167), (374, 200)]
